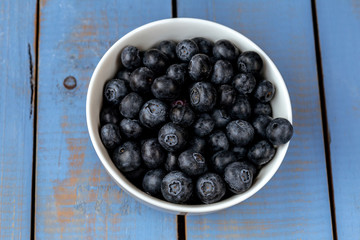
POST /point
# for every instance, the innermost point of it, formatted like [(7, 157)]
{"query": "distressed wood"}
[(295, 203), (75, 198), (339, 32), (17, 72)]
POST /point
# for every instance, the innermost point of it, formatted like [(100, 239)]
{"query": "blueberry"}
[(127, 157), (130, 105), (152, 153), (131, 128), (110, 135), (240, 132), (182, 114), (205, 45), (222, 159), (130, 57), (223, 72), (210, 188), (240, 152), (260, 123), (220, 117), (168, 47), (279, 131), (261, 153), (224, 49), (198, 144), (244, 82), (239, 176), (260, 108), (165, 88), (171, 162), (204, 125), (200, 67), (176, 187), (136, 176), (114, 91), (109, 115), (153, 113), (156, 61), (227, 95), (172, 137), (218, 141), (141, 80), (241, 108), (249, 62), (264, 91), (152, 182), (177, 72), (186, 49), (203, 96), (192, 163), (124, 75)]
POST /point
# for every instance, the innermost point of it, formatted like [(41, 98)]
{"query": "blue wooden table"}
[(52, 185)]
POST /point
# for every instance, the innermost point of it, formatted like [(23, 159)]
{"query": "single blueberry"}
[(153, 113), (200, 67), (205, 45), (249, 62), (264, 91), (171, 162), (198, 144), (192, 163), (131, 128), (244, 82), (127, 157), (186, 49), (165, 88), (261, 153), (168, 47), (177, 72), (220, 117), (136, 176), (210, 188), (240, 152), (218, 141), (279, 131), (130, 105), (227, 96), (240, 132), (109, 115), (130, 57), (152, 153), (260, 108), (221, 160), (182, 114), (172, 137), (110, 135), (204, 125), (241, 108), (152, 182), (123, 74), (156, 61), (141, 80), (224, 49), (260, 123), (223, 72), (239, 176), (114, 91), (176, 187), (203, 96)]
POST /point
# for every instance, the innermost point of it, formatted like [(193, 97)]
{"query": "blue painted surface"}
[(295, 203), (16, 116), (75, 197), (339, 33)]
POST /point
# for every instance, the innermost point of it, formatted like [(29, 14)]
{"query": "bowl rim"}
[(138, 194)]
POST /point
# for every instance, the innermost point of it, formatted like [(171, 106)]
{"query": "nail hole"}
[(70, 82)]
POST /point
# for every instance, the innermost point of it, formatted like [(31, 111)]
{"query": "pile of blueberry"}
[(190, 122)]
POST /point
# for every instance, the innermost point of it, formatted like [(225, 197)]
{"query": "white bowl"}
[(178, 29)]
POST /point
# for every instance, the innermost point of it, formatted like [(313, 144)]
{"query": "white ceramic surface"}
[(178, 29)]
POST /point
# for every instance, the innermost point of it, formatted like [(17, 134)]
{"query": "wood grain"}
[(75, 198), (17, 79), (339, 31), (295, 203)]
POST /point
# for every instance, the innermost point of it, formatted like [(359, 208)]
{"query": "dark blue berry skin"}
[(249, 62), (218, 141), (192, 163), (165, 88), (210, 188), (224, 49), (141, 80), (227, 96), (261, 153), (153, 113), (244, 83), (109, 115), (181, 114), (241, 108), (205, 45), (130, 105), (203, 96), (239, 176), (260, 108), (240, 132), (136, 176), (198, 144), (204, 125), (239, 152), (221, 160), (152, 182), (177, 72), (127, 157), (171, 162), (156, 61), (124, 75), (220, 117), (176, 187), (152, 153), (110, 135), (260, 123), (186, 49), (114, 91), (172, 137), (200, 67), (223, 72), (168, 47), (130, 57), (131, 128), (279, 131), (264, 91)]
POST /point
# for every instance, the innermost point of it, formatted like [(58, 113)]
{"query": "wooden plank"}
[(339, 31), (75, 198), (17, 79), (295, 203)]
